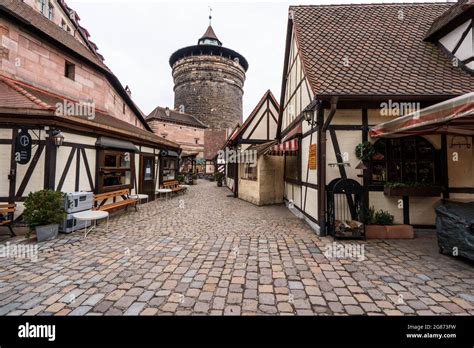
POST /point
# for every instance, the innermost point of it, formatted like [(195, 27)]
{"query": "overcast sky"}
[(137, 37)]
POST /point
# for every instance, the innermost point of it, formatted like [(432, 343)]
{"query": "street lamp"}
[(57, 137), (308, 116), (308, 113)]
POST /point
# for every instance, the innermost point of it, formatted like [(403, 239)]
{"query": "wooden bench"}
[(173, 186), (6, 215), (100, 200)]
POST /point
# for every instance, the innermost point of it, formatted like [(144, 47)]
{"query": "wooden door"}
[(147, 176)]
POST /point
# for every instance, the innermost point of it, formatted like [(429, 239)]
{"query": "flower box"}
[(413, 191), (389, 232)]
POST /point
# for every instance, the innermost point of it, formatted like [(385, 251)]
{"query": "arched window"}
[(410, 160)]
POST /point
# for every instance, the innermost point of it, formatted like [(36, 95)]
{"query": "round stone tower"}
[(208, 81)]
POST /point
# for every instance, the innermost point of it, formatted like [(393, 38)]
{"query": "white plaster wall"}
[(379, 201), (461, 172), (91, 159), (147, 149), (422, 210), (348, 140), (61, 160), (5, 158), (79, 139), (261, 131), (311, 196), (345, 117)]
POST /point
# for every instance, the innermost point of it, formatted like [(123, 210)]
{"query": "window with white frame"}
[(50, 11), (42, 7)]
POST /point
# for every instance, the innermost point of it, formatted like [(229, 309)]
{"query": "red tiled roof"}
[(14, 97), (174, 117), (28, 99), (375, 49), (214, 140)]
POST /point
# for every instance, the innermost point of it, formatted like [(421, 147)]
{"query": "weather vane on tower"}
[(210, 15)]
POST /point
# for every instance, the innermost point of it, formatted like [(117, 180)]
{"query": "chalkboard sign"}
[(23, 144)]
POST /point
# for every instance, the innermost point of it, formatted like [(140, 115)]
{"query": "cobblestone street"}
[(207, 253)]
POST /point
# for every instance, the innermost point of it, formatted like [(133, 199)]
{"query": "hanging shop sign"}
[(23, 144), (312, 157)]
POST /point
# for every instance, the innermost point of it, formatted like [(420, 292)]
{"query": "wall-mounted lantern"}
[(57, 137)]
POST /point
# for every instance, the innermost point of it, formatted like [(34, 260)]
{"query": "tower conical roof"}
[(209, 38)]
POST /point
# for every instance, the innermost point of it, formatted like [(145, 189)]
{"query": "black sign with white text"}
[(23, 144)]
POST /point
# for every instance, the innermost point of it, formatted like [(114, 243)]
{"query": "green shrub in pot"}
[(383, 217), (43, 213), (219, 177), (364, 151)]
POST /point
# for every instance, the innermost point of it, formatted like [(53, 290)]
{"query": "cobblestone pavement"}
[(207, 253)]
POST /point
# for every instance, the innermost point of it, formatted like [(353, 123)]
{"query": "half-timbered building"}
[(350, 67), (66, 122), (252, 175)]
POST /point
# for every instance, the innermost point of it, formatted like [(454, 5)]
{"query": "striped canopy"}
[(289, 148), (454, 116)]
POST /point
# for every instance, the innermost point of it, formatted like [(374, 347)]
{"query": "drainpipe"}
[(322, 163)]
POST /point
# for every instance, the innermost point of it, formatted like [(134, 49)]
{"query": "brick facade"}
[(191, 139), (25, 58)]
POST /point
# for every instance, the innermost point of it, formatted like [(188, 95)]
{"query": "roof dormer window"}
[(454, 31), (64, 26)]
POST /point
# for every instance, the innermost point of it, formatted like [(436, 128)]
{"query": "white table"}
[(140, 197), (185, 186), (91, 215), (165, 191)]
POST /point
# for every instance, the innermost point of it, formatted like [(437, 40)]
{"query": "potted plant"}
[(364, 151), (411, 189), (180, 178), (194, 177), (380, 225), (43, 213), (219, 177)]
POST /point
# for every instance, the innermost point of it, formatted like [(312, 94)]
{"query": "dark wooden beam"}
[(406, 210), (78, 170), (50, 164), (29, 171)]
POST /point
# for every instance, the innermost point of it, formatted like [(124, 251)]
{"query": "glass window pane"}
[(379, 172), (409, 148), (425, 173), (396, 147), (395, 171), (148, 170), (110, 160), (409, 173)]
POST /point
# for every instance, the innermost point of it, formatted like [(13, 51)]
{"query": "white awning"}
[(454, 116)]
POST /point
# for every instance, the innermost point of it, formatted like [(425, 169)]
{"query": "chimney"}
[(129, 92)]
